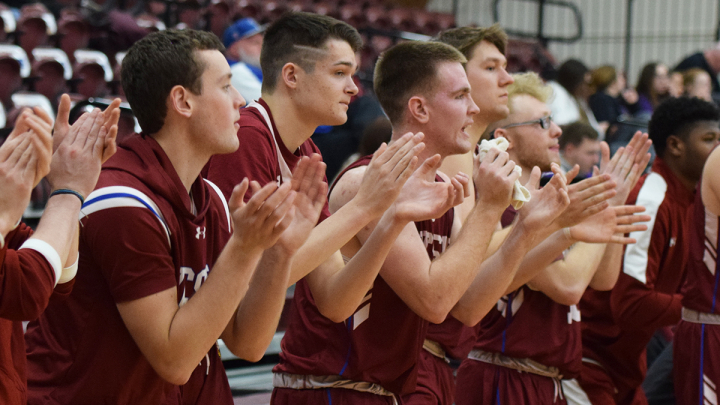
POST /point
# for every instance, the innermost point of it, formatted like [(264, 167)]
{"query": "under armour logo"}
[(673, 241), (200, 231)]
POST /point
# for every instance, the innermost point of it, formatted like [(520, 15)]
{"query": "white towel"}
[(521, 195)]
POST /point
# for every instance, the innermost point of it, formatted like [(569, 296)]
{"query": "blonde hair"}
[(530, 84)]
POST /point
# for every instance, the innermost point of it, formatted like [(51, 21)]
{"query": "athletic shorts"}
[(435, 382), (697, 363), (602, 390), (484, 383), (326, 396)]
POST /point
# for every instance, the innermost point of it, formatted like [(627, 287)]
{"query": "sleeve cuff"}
[(68, 273), (48, 252)]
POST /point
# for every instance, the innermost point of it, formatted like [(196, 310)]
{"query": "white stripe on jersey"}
[(652, 194), (93, 205), (711, 240), (709, 394), (222, 198)]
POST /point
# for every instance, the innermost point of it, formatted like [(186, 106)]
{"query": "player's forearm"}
[(252, 328), (496, 274), (452, 273), (608, 270), (538, 258), (58, 226), (565, 281), (341, 294), (328, 237), (203, 318)]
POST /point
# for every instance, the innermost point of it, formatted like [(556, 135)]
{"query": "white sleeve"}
[(50, 254)]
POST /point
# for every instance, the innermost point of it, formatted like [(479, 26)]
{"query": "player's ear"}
[(502, 132), (180, 100), (418, 110), (289, 75), (674, 146)]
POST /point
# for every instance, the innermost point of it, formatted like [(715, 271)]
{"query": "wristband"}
[(2, 241), (68, 191)]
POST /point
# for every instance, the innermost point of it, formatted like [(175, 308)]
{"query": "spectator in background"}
[(571, 90), (611, 99), (697, 83), (653, 88), (707, 60), (243, 41), (676, 84), (579, 145)]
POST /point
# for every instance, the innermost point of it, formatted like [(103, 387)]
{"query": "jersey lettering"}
[(200, 232), (197, 279), (438, 242), (573, 314)]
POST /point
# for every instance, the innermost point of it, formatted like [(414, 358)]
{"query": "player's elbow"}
[(434, 314), (251, 353), (335, 313), (177, 375), (570, 296)]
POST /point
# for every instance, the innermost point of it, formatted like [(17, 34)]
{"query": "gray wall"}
[(662, 30)]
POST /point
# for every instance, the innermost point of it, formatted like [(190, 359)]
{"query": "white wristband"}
[(69, 272), (48, 252)]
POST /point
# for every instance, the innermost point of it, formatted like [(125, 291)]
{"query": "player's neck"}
[(294, 127), (431, 148), (476, 130), (185, 157), (676, 168)]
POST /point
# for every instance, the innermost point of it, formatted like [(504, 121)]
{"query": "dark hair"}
[(159, 62), (407, 69), (678, 116), (575, 133), (571, 74), (645, 81), (285, 39), (465, 39)]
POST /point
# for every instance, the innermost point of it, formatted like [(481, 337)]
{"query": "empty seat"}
[(92, 73), (73, 33), (14, 67), (35, 26), (51, 71)]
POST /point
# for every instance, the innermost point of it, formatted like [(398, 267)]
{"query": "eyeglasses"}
[(544, 122)]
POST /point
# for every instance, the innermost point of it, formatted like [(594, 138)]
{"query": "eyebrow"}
[(224, 77), (348, 64)]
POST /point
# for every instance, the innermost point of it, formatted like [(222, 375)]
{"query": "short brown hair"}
[(407, 69), (465, 39), (159, 62), (294, 36), (576, 133)]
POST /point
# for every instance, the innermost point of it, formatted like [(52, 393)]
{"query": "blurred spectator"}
[(707, 60), (571, 90), (676, 84), (653, 87), (697, 83), (35, 26), (243, 42), (579, 145), (611, 99)]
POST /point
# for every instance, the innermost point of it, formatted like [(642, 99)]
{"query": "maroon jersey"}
[(555, 328), (618, 324), (142, 234), (696, 347), (380, 343), (701, 282), (262, 155), (26, 284)]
